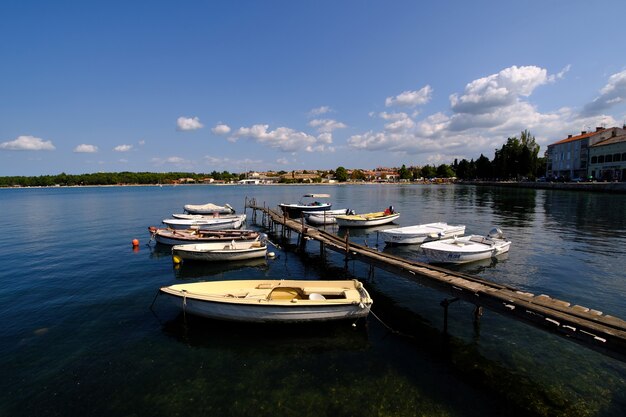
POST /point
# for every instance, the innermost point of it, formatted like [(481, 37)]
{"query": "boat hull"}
[(463, 250), (317, 218), (265, 314), (193, 252), (181, 237), (411, 235), (217, 223), (248, 306)]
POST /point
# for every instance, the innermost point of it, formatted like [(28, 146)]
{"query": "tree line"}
[(112, 178)]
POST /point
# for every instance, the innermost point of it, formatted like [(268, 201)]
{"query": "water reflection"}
[(300, 338), (190, 270), (594, 214), (158, 251), (367, 236)]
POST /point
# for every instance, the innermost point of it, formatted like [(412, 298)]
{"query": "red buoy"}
[(135, 242)]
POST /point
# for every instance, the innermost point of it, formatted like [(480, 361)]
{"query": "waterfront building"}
[(607, 159), (569, 158)]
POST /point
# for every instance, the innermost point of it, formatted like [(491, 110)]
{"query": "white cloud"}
[(282, 161), (319, 111), (84, 148), (142, 142), (399, 122), (177, 161), (123, 148), (188, 123), (283, 138), (613, 93), (27, 143), (326, 125), (560, 75), (497, 90), (411, 98), (212, 160), (221, 129), (326, 138)]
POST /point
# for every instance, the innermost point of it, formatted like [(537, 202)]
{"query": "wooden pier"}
[(586, 326)]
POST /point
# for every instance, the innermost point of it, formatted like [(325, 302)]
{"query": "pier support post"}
[(445, 303), (303, 230), (478, 313), (347, 244)]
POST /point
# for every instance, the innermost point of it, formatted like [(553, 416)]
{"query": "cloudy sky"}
[(281, 85)]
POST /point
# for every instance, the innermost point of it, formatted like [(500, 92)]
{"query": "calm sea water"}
[(78, 337)]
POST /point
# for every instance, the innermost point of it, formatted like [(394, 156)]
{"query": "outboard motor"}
[(496, 233)]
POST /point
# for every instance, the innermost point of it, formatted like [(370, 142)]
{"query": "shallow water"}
[(78, 336)]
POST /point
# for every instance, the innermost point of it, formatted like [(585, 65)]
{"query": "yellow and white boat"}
[(272, 300), (367, 219)]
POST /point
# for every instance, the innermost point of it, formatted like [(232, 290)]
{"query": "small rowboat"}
[(294, 210), (208, 208), (420, 233), (233, 221), (466, 249), (182, 236), (219, 251), (366, 220), (272, 300)]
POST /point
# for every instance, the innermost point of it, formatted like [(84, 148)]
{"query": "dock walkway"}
[(586, 326)]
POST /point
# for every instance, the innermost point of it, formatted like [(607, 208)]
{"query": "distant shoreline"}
[(603, 187)]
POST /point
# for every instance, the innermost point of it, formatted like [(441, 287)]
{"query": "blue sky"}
[(282, 85)]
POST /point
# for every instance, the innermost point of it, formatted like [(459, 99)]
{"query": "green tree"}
[(428, 172), (341, 174), (483, 167), (357, 175), (404, 173), (445, 171)]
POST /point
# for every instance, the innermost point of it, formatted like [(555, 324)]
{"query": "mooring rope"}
[(389, 328)]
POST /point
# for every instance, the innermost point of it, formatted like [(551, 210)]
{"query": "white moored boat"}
[(232, 221), (317, 218), (294, 210), (167, 236), (367, 219), (208, 208), (272, 300), (466, 249), (219, 251), (420, 233)]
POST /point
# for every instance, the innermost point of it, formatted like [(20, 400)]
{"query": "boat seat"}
[(481, 239), (286, 294)]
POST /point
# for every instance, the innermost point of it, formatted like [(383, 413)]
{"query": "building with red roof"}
[(570, 157)]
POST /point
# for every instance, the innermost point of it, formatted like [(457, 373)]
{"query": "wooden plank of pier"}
[(586, 326)]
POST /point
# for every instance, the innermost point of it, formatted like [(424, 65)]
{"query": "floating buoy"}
[(177, 259), (135, 242), (271, 255)]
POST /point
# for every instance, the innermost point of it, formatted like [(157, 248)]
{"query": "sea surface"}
[(83, 332)]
